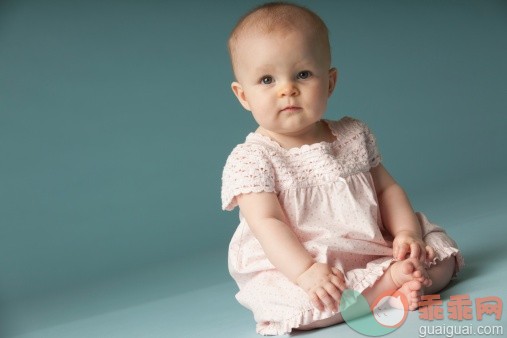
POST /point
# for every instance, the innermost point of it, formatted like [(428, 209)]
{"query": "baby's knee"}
[(445, 267), (441, 274)]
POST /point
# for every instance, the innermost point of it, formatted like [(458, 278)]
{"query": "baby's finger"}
[(402, 251), (334, 292), (326, 299), (422, 257), (337, 279), (337, 272), (315, 300), (415, 251), (430, 253), (338, 283)]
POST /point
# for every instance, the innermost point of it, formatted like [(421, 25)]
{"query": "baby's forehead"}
[(277, 20), (271, 32), (264, 33), (266, 25), (281, 36)]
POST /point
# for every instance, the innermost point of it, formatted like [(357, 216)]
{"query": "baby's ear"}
[(237, 89), (333, 78)]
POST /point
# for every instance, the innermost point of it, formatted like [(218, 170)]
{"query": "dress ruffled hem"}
[(304, 317), (444, 248), (361, 279)]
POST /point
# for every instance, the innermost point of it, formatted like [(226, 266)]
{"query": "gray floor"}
[(195, 297)]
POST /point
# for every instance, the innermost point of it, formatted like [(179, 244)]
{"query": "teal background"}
[(116, 118)]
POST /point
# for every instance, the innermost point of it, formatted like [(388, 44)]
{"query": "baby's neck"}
[(319, 132)]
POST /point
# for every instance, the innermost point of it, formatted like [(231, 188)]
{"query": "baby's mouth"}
[(290, 109)]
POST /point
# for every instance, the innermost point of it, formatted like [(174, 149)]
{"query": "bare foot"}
[(410, 276)]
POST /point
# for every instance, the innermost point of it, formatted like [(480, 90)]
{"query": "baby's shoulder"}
[(249, 149), (347, 126), (249, 154)]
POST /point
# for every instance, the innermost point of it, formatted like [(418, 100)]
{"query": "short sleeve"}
[(372, 150), (361, 143), (247, 170)]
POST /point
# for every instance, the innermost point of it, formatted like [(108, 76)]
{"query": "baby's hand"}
[(408, 242), (324, 285)]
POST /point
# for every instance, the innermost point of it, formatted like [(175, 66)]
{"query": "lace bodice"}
[(261, 164)]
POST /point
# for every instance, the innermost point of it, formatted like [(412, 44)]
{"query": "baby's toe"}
[(413, 305), (414, 285)]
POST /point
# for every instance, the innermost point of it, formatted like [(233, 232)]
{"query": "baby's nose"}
[(288, 89)]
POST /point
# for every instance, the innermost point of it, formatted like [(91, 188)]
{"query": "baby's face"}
[(284, 80)]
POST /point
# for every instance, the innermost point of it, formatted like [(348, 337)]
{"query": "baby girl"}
[(319, 213)]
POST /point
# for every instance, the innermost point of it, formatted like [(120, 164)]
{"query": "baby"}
[(318, 211)]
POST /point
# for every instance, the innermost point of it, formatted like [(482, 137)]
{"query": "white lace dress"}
[(329, 198)]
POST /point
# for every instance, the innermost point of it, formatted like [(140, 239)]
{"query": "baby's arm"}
[(267, 221), (399, 218)]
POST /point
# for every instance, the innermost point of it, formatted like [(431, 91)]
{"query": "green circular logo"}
[(386, 314)]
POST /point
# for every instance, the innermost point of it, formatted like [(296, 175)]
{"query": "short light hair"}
[(279, 17)]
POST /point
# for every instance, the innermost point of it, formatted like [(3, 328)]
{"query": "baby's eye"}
[(267, 79), (305, 74)]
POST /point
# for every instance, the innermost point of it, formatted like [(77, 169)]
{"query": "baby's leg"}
[(440, 275)]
